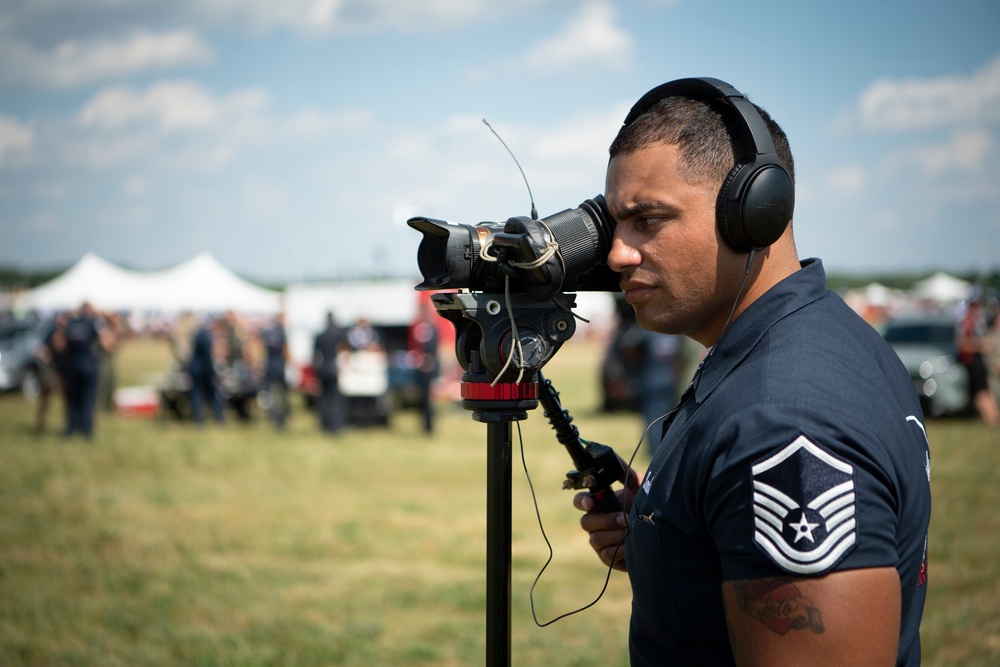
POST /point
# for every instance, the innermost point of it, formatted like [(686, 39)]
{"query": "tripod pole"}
[(498, 543), (498, 406)]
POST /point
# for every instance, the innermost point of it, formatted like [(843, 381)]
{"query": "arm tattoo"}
[(778, 604)]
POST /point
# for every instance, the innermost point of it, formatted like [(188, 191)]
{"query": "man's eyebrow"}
[(642, 207)]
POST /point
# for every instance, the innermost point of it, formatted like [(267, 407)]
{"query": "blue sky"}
[(293, 139)]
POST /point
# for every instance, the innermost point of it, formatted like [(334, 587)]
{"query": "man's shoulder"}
[(826, 323), (822, 354)]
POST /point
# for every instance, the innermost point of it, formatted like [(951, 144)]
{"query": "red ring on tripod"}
[(501, 391)]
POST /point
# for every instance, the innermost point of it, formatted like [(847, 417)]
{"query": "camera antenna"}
[(534, 211)]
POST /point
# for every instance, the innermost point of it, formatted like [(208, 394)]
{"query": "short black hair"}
[(710, 136)]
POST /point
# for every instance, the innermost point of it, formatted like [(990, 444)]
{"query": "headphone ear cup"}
[(728, 216), (754, 206)]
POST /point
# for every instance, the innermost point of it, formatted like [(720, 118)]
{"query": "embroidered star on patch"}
[(804, 507)]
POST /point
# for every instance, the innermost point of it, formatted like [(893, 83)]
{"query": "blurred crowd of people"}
[(226, 362), (231, 366), (222, 361)]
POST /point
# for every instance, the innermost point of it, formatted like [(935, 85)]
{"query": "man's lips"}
[(635, 291)]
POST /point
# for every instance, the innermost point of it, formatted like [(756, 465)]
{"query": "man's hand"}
[(607, 530)]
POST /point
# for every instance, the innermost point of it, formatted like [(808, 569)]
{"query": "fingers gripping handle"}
[(604, 468)]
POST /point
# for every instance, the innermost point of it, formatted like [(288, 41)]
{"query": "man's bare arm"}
[(845, 618)]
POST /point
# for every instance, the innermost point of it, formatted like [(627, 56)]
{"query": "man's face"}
[(675, 272)]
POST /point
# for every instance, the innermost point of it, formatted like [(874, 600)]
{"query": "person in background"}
[(363, 336), (275, 344), (109, 325), (328, 344), (83, 340), (202, 371), (239, 384), (992, 347), (424, 341), (972, 346), (235, 337), (54, 373), (658, 367), (182, 334)]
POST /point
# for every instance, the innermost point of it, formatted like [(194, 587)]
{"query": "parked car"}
[(20, 363), (926, 346)]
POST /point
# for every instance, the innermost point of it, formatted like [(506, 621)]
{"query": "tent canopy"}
[(200, 284), (942, 288)]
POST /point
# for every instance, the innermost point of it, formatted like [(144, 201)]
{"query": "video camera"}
[(520, 276), (451, 256)]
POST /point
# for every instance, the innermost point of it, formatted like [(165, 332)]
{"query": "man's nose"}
[(622, 255)]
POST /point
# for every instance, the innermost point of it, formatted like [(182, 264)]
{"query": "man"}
[(327, 345), (424, 337), (363, 336), (83, 338), (201, 368), (783, 518), (276, 358), (972, 343)]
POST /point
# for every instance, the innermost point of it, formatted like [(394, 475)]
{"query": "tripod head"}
[(502, 342)]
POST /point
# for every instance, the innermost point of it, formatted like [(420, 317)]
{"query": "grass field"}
[(164, 544)]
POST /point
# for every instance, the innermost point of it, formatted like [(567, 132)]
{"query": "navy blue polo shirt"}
[(801, 451)]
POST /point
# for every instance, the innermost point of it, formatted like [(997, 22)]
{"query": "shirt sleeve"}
[(798, 497)]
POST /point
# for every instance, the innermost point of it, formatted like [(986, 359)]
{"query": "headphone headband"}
[(707, 88)]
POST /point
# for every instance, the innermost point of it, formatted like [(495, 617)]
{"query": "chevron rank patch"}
[(804, 508)]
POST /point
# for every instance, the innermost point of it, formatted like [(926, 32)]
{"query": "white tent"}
[(201, 285), (92, 279), (942, 288)]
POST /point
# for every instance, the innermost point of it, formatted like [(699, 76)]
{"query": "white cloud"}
[(458, 171), (311, 123), (181, 124), (104, 151), (169, 106), (101, 17), (589, 41), (915, 104), (76, 62), (376, 15), (966, 151), (971, 155), (591, 38), (15, 137)]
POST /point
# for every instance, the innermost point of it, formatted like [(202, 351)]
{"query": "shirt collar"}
[(797, 290)]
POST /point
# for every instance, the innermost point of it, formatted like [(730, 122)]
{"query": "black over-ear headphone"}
[(757, 197)]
